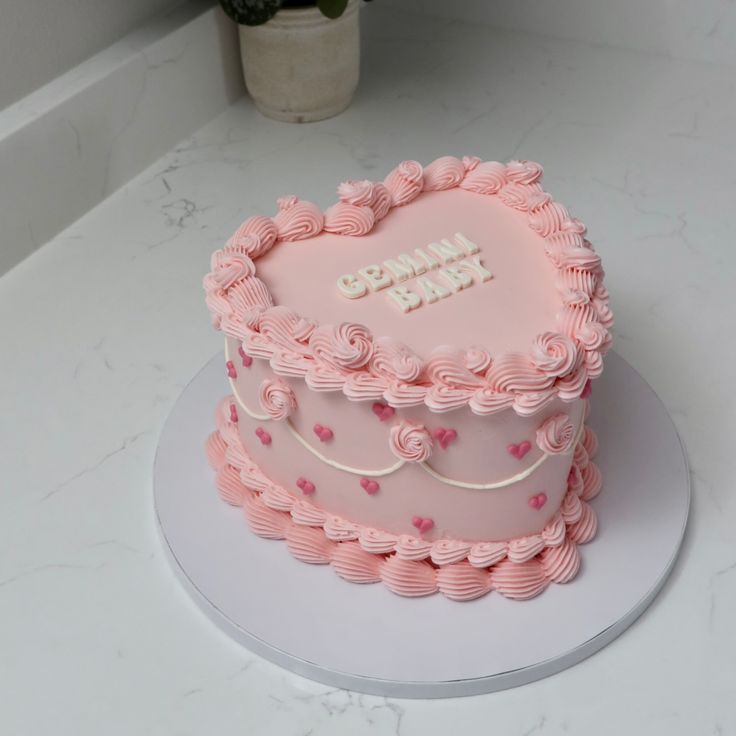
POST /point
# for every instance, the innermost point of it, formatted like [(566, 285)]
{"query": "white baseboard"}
[(69, 144)]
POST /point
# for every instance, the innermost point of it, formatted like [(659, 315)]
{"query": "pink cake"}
[(409, 374)]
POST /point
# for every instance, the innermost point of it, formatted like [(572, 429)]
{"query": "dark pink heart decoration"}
[(423, 524), (247, 360), (518, 451), (306, 486), (263, 436), (233, 414), (231, 372), (383, 411), (325, 434), (369, 486), (445, 436), (536, 502)]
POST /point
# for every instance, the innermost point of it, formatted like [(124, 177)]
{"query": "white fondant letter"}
[(407, 300), (476, 267), (375, 277), (458, 279), (350, 287), (432, 290), (427, 258), (469, 245), (446, 251), (404, 267)]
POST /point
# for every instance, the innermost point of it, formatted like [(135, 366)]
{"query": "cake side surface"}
[(476, 478)]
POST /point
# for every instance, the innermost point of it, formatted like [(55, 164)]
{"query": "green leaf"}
[(332, 8), (251, 12)]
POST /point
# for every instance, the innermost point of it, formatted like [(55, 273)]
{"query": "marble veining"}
[(103, 326)]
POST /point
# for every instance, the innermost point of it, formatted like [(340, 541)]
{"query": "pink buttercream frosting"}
[(411, 441), (277, 398), (404, 183), (556, 435), (356, 565), (554, 354), (485, 178), (347, 346), (349, 219), (443, 173), (360, 193), (298, 219), (395, 361), (524, 172), (463, 582), (254, 237)]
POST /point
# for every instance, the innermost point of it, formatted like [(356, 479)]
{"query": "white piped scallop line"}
[(357, 471), (502, 483), (393, 468)]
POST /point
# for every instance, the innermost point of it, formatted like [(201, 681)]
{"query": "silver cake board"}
[(363, 637)]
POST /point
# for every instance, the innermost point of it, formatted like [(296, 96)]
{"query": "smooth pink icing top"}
[(502, 314)]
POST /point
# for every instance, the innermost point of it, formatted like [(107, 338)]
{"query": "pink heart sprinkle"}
[(247, 360), (263, 436), (445, 436), (325, 434), (369, 486), (306, 486), (233, 414), (383, 411), (231, 372), (422, 524), (536, 502), (518, 451)]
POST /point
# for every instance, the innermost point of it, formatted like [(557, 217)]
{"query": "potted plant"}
[(301, 58)]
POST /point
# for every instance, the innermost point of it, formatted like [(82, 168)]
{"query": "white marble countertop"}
[(103, 326)]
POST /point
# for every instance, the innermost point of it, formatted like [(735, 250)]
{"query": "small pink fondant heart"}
[(423, 524), (445, 436), (536, 502), (247, 360), (369, 486), (306, 486), (263, 436), (231, 372), (587, 389), (324, 433), (383, 411), (518, 451), (572, 476), (233, 414)]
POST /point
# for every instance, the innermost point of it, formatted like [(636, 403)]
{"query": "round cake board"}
[(363, 637)]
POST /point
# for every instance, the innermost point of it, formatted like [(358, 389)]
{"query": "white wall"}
[(691, 29), (40, 39)]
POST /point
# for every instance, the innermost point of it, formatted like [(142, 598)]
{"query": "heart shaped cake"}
[(409, 375)]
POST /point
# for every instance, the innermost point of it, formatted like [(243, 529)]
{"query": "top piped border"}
[(347, 358)]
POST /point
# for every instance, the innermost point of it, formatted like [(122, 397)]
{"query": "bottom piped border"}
[(519, 568)]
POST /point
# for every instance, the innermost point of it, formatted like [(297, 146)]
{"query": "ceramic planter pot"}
[(301, 66)]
